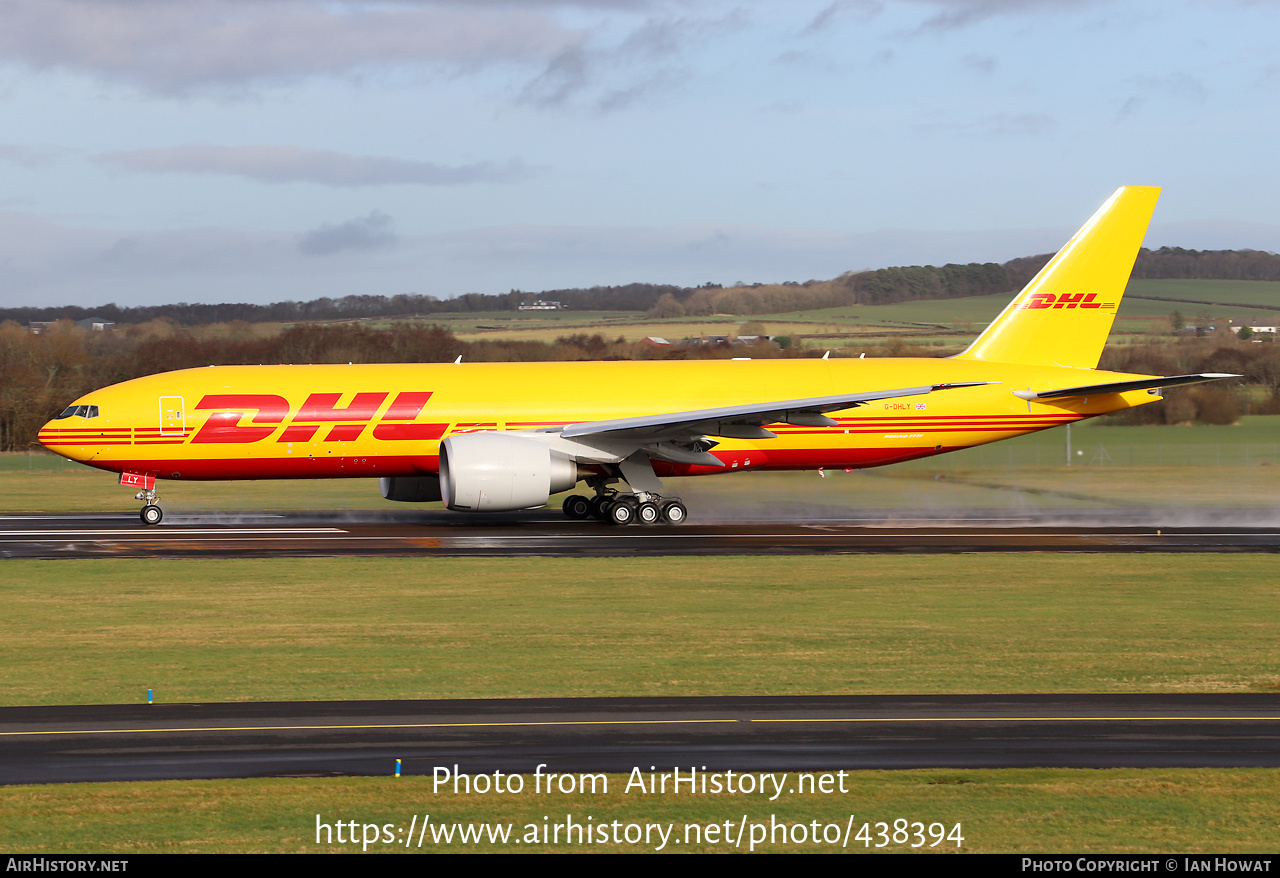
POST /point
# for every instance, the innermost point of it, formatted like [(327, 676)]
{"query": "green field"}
[(1046, 811), (105, 631), (1174, 467), (1263, 295), (940, 321), (514, 324)]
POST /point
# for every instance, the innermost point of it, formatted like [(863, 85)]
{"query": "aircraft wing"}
[(655, 433), (1121, 386)]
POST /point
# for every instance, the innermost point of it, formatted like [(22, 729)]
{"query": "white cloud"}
[(641, 64), (955, 14), (29, 156), (862, 10), (291, 164), (372, 232), (180, 47), (47, 262), (997, 125)]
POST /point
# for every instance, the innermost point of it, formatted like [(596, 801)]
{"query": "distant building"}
[(97, 323), (540, 305), (713, 340), (36, 327)]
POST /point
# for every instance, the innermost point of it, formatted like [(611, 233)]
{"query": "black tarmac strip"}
[(740, 734), (548, 533), (112, 743)]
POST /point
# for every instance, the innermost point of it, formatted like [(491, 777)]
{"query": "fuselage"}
[(361, 421)]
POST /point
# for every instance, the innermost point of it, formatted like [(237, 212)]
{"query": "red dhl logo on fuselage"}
[(1039, 301), (272, 411)]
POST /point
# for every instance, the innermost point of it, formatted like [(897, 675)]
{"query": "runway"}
[(548, 533), (111, 743), (819, 733)]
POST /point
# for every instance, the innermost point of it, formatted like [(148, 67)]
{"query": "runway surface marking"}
[(611, 536), (650, 722), (355, 534), (228, 531), (322, 727), (838, 536)]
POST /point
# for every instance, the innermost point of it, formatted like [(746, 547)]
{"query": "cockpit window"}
[(78, 411)]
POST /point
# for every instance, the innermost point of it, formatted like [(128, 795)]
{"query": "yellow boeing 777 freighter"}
[(489, 437)]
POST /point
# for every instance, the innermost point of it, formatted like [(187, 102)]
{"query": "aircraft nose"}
[(67, 434), (49, 435)]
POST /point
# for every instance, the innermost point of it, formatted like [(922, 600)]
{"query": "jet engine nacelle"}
[(500, 472)]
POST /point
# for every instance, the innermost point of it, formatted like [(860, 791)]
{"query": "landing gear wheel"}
[(151, 514), (621, 513), (675, 513), (577, 507), (647, 513), (600, 507)]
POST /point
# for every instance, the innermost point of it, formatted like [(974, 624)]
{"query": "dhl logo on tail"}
[(1066, 300)]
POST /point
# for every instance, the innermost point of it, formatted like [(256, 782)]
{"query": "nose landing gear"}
[(151, 514)]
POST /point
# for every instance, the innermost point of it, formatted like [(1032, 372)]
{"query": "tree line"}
[(630, 297), (1220, 402), (878, 287), (41, 374)]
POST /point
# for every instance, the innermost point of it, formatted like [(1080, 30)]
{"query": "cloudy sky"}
[(258, 150)]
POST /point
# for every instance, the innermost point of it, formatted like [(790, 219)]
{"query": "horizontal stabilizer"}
[(1122, 386)]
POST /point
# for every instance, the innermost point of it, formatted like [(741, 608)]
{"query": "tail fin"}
[(1063, 317)]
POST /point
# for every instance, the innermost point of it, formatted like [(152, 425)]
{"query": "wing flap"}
[(742, 421)]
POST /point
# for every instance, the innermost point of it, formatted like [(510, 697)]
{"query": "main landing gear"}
[(622, 509)]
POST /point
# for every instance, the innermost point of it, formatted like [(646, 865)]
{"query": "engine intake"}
[(501, 472)]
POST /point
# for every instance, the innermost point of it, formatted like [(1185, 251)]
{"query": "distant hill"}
[(877, 287)]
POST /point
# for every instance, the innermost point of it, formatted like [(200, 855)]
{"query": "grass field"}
[(105, 631), (1264, 295), (1013, 811), (672, 330), (1117, 467), (942, 321)]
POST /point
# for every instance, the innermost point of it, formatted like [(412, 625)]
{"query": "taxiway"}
[(789, 733)]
